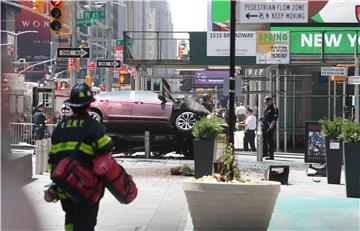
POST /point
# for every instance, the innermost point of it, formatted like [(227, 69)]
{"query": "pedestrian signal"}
[(38, 6), (56, 14)]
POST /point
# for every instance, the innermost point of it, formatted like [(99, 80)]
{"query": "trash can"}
[(279, 173)]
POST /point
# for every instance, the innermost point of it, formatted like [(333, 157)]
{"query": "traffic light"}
[(56, 14), (124, 79), (38, 6), (88, 80)]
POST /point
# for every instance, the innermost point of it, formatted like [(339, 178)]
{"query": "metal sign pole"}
[(73, 43), (356, 93)]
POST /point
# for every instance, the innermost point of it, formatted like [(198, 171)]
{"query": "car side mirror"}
[(162, 98)]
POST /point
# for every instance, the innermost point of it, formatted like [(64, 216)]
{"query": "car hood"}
[(190, 104)]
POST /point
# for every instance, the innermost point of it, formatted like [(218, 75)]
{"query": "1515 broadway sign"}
[(309, 40), (218, 43)]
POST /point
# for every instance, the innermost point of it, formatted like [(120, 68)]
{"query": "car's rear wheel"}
[(95, 115), (185, 121)]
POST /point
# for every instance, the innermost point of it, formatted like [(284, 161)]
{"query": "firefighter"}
[(81, 137), (39, 120)]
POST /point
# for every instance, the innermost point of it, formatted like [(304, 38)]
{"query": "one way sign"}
[(73, 52), (108, 63)]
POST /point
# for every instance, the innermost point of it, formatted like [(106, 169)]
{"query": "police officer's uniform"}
[(271, 114), (82, 137), (39, 119)]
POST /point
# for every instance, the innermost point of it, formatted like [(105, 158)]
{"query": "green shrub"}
[(332, 128), (187, 170), (207, 128), (350, 132)]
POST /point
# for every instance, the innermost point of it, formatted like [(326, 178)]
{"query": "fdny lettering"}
[(72, 123)]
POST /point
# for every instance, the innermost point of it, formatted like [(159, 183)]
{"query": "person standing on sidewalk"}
[(83, 138), (249, 132), (268, 127), (40, 120)]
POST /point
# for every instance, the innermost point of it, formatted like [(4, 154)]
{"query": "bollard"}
[(38, 150), (45, 143), (147, 144)]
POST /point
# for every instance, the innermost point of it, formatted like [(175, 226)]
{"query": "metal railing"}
[(24, 132)]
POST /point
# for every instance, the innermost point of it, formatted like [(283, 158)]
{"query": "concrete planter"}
[(227, 206), (204, 156), (333, 160), (352, 170)]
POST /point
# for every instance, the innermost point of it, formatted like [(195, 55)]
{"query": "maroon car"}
[(136, 111)]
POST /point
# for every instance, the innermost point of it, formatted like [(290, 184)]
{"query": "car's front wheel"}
[(95, 115), (185, 121)]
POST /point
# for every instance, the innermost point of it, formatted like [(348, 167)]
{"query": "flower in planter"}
[(332, 128), (207, 128), (350, 132), (226, 168)]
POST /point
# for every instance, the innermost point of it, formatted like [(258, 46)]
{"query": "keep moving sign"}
[(250, 11)]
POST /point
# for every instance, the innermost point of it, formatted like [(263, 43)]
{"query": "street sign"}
[(94, 14), (339, 78), (129, 42), (329, 71), (108, 63), (250, 11), (354, 80), (73, 52), (84, 22)]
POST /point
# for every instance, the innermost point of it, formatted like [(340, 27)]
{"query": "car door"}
[(147, 106), (120, 105)]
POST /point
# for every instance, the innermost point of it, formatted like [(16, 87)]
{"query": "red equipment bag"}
[(77, 181), (117, 181)]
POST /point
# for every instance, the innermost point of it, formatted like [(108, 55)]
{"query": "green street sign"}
[(94, 14), (84, 22), (337, 40), (129, 42)]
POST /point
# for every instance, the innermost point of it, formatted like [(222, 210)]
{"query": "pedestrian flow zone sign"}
[(354, 80), (338, 71), (73, 52), (256, 11), (109, 63)]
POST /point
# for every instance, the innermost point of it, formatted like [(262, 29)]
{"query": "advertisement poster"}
[(308, 40), (272, 47), (210, 77), (315, 151), (218, 43)]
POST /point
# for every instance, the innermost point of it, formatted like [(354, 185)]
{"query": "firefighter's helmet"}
[(80, 96)]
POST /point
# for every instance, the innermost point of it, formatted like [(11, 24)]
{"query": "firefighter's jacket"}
[(80, 137)]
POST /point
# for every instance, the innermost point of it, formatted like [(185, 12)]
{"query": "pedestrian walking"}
[(269, 120), (39, 120), (81, 137), (249, 132), (240, 111)]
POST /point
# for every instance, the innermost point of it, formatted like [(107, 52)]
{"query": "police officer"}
[(39, 120), (268, 127), (81, 137)]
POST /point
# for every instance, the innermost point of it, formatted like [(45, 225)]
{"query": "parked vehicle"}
[(128, 114)]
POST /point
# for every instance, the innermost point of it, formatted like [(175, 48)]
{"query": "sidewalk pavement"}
[(307, 203)]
